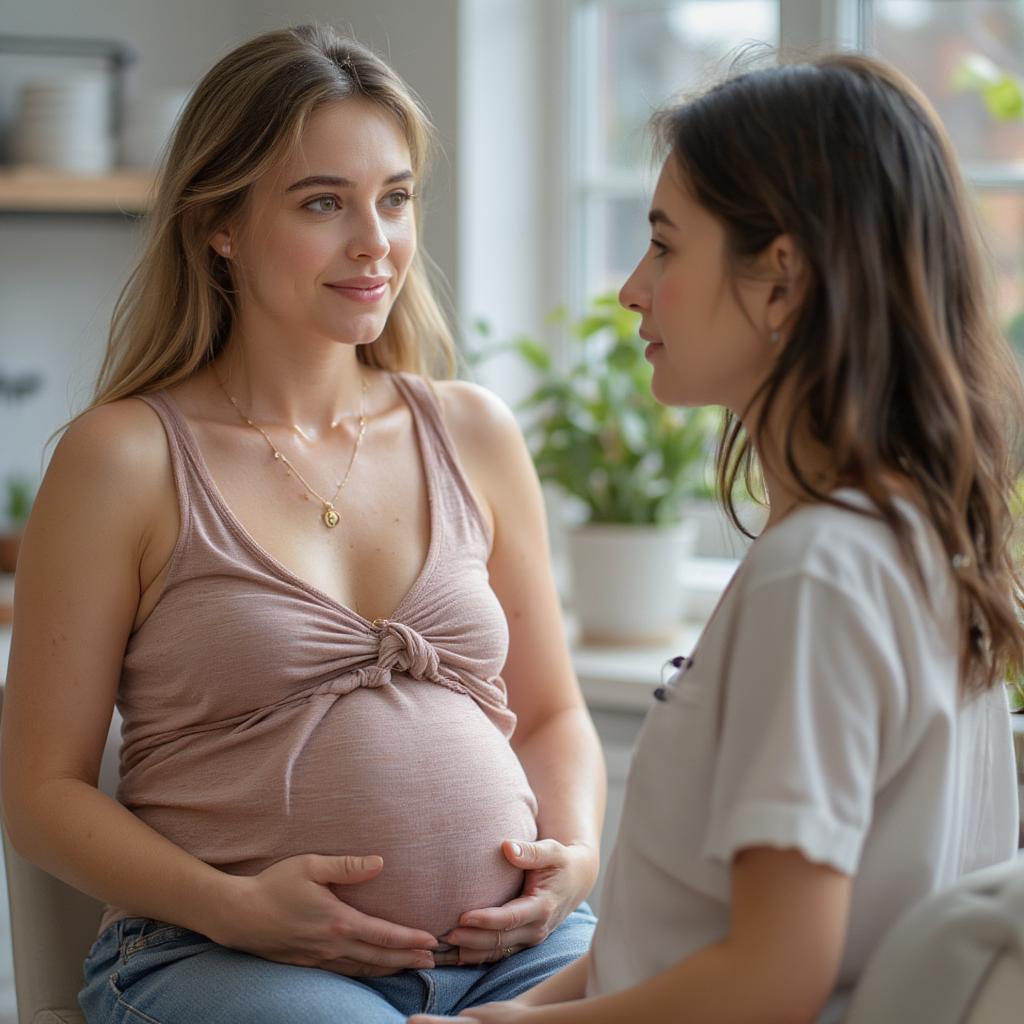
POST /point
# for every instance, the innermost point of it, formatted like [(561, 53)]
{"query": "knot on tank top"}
[(401, 649)]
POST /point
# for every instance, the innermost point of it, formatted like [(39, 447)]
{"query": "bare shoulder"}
[(479, 421), (113, 450), (80, 575), (494, 454), (101, 503), (115, 437)]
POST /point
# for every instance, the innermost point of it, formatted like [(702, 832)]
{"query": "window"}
[(630, 57), (950, 48)]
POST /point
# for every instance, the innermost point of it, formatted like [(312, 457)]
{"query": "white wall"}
[(508, 185)]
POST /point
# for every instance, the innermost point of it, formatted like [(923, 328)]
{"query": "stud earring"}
[(226, 248), (774, 336)]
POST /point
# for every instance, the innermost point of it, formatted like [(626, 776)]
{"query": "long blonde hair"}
[(176, 311)]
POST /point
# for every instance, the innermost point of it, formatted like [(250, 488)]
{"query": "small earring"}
[(226, 248), (774, 336)]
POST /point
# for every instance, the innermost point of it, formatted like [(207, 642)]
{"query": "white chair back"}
[(52, 925), (957, 957)]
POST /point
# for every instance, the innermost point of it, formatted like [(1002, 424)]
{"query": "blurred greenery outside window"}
[(967, 56)]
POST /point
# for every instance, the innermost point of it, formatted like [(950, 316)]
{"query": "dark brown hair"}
[(894, 362)]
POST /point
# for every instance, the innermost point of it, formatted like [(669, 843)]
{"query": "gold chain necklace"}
[(329, 516)]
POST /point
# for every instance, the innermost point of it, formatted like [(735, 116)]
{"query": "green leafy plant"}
[(19, 495), (595, 429), (1015, 688), (1001, 91)]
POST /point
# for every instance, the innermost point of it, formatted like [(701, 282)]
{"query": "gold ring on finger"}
[(507, 951)]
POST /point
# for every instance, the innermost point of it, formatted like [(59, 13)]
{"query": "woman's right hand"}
[(289, 913)]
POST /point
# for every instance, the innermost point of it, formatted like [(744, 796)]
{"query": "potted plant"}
[(1015, 689), (17, 505), (18, 491), (628, 462)]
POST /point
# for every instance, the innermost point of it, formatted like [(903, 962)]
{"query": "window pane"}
[(937, 43), (1003, 214), (633, 56), (638, 55), (616, 235)]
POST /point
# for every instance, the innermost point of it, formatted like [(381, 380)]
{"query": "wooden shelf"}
[(42, 190)]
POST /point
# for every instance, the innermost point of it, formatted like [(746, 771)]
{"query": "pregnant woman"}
[(305, 573)]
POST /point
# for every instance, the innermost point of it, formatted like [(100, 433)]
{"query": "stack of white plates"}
[(64, 123), (149, 120)]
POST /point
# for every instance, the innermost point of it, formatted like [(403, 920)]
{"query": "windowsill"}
[(621, 677)]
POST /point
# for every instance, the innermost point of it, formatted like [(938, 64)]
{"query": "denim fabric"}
[(143, 970)]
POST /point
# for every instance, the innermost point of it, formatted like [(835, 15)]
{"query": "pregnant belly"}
[(414, 773)]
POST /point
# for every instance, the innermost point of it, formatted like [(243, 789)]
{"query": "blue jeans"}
[(141, 970)]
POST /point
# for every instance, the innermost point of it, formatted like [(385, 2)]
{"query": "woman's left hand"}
[(558, 878), (492, 1013)]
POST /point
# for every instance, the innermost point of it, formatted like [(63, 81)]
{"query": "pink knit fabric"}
[(263, 719)]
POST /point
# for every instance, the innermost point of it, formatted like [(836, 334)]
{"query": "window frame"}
[(803, 25)]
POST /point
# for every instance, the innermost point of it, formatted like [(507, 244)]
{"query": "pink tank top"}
[(263, 719)]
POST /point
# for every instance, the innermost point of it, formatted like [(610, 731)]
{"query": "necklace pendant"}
[(330, 517)]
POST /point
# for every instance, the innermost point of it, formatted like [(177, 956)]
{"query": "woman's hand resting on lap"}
[(558, 878), (289, 913)]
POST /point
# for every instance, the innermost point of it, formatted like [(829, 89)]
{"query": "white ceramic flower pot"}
[(625, 581)]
